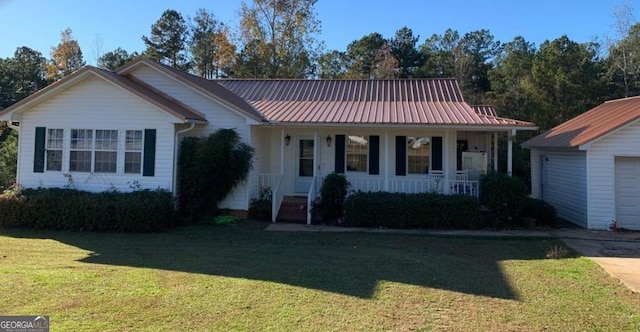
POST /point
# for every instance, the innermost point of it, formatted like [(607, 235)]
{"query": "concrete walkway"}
[(334, 229), (618, 253)]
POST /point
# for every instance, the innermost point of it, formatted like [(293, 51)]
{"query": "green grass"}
[(239, 277)]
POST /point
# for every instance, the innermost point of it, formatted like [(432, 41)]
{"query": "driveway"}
[(618, 253)]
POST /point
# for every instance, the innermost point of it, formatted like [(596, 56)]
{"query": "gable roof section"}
[(166, 104), (208, 87), (590, 125), (401, 101)]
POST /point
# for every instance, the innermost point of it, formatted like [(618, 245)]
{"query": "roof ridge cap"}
[(621, 99)]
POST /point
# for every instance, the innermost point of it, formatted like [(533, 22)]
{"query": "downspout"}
[(12, 126), (175, 157)]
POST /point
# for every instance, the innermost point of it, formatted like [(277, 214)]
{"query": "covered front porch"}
[(293, 161)]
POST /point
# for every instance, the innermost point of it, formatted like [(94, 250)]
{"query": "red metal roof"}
[(590, 125), (488, 110), (405, 101)]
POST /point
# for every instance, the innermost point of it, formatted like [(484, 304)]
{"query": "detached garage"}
[(588, 168)]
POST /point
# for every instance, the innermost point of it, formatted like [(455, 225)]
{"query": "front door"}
[(304, 164)]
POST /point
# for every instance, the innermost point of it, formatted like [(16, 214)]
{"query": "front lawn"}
[(240, 277)]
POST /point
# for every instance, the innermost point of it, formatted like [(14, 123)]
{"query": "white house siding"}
[(564, 183), (96, 104), (601, 157), (217, 114), (326, 155)]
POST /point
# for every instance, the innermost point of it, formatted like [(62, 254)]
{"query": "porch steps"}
[(293, 210)]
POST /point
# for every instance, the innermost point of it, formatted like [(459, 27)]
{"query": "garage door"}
[(628, 192)]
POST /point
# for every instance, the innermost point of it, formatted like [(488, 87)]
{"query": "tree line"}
[(545, 84)]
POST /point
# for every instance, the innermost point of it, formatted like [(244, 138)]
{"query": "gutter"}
[(175, 157), (12, 126)]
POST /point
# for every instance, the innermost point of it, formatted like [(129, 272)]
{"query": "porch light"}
[(329, 140), (287, 140)]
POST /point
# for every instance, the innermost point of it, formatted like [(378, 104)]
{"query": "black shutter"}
[(38, 157), (149, 155), (340, 146), (436, 151), (401, 155), (374, 155)]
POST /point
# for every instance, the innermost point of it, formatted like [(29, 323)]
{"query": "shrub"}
[(332, 196), (543, 212), (504, 196), (210, 167), (260, 207), (400, 210), (68, 209)]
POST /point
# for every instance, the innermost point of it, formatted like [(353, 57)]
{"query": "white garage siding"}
[(96, 104), (217, 114), (563, 180), (620, 143)]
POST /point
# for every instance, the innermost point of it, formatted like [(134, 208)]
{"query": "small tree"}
[(210, 167), (332, 196)]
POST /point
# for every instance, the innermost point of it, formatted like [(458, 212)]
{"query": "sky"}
[(102, 26)]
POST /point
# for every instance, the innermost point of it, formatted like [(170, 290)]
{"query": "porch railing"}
[(311, 197), (366, 184), (268, 180), (272, 181), (276, 198), (465, 187), (433, 184), (416, 185)]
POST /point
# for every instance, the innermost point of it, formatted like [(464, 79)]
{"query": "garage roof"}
[(590, 125)]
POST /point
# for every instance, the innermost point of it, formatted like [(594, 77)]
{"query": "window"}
[(357, 150), (106, 151), (418, 152), (133, 152), (55, 138), (95, 151), (80, 151)]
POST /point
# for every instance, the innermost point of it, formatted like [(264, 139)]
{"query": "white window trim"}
[(91, 150), (120, 152), (430, 157), (47, 149), (124, 150), (346, 155)]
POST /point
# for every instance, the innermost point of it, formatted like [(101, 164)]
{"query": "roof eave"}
[(400, 125)]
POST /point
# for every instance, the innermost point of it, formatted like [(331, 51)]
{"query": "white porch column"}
[(510, 137), (495, 152), (281, 151), (315, 152), (449, 155), (386, 160)]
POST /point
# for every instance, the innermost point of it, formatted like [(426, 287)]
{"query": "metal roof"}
[(590, 125), (402, 101), (488, 110)]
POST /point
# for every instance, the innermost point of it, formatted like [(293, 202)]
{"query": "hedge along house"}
[(588, 168), (98, 130)]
